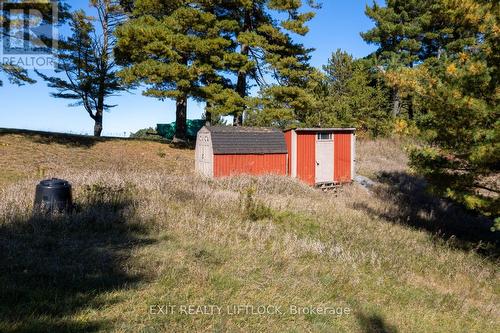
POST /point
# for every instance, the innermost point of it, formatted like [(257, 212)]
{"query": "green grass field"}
[(148, 233)]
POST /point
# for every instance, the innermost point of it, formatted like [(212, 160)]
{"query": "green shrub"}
[(252, 208), (146, 133)]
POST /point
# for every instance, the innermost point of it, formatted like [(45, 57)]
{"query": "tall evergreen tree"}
[(348, 98), (86, 61), (177, 49), (398, 34), (266, 52), (458, 88)]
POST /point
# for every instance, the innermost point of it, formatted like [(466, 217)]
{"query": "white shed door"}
[(324, 158), (204, 157)]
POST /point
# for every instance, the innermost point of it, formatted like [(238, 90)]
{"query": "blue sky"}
[(336, 25)]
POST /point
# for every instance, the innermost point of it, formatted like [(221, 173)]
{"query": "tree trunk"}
[(241, 88), (208, 119), (396, 103), (103, 62), (410, 103), (241, 84), (208, 115), (98, 123), (410, 108), (180, 119), (100, 106)]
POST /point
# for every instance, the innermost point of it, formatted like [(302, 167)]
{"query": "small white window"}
[(324, 136)]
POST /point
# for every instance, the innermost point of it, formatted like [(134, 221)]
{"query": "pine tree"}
[(398, 33), (267, 55), (177, 49), (457, 86), (347, 98), (86, 61)]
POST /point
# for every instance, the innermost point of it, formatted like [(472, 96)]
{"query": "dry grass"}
[(381, 155), (36, 155), (149, 232)]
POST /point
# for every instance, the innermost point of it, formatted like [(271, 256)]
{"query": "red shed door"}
[(306, 157), (342, 159)]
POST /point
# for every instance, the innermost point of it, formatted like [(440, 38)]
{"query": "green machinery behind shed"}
[(168, 130)]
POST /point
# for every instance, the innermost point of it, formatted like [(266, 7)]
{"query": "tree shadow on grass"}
[(187, 145), (69, 140), (85, 141), (53, 269), (411, 205), (374, 324)]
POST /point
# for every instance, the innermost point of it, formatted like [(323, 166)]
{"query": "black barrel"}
[(53, 195)]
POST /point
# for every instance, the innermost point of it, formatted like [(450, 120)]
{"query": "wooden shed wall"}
[(288, 140), (250, 164), (306, 157)]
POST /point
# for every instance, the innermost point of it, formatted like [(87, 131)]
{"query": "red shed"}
[(226, 151), (321, 155)]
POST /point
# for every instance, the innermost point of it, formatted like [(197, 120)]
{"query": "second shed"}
[(321, 155), (227, 151)]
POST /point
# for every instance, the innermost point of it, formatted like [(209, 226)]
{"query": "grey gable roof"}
[(247, 140)]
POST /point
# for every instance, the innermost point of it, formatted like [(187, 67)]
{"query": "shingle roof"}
[(247, 140), (319, 129)]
